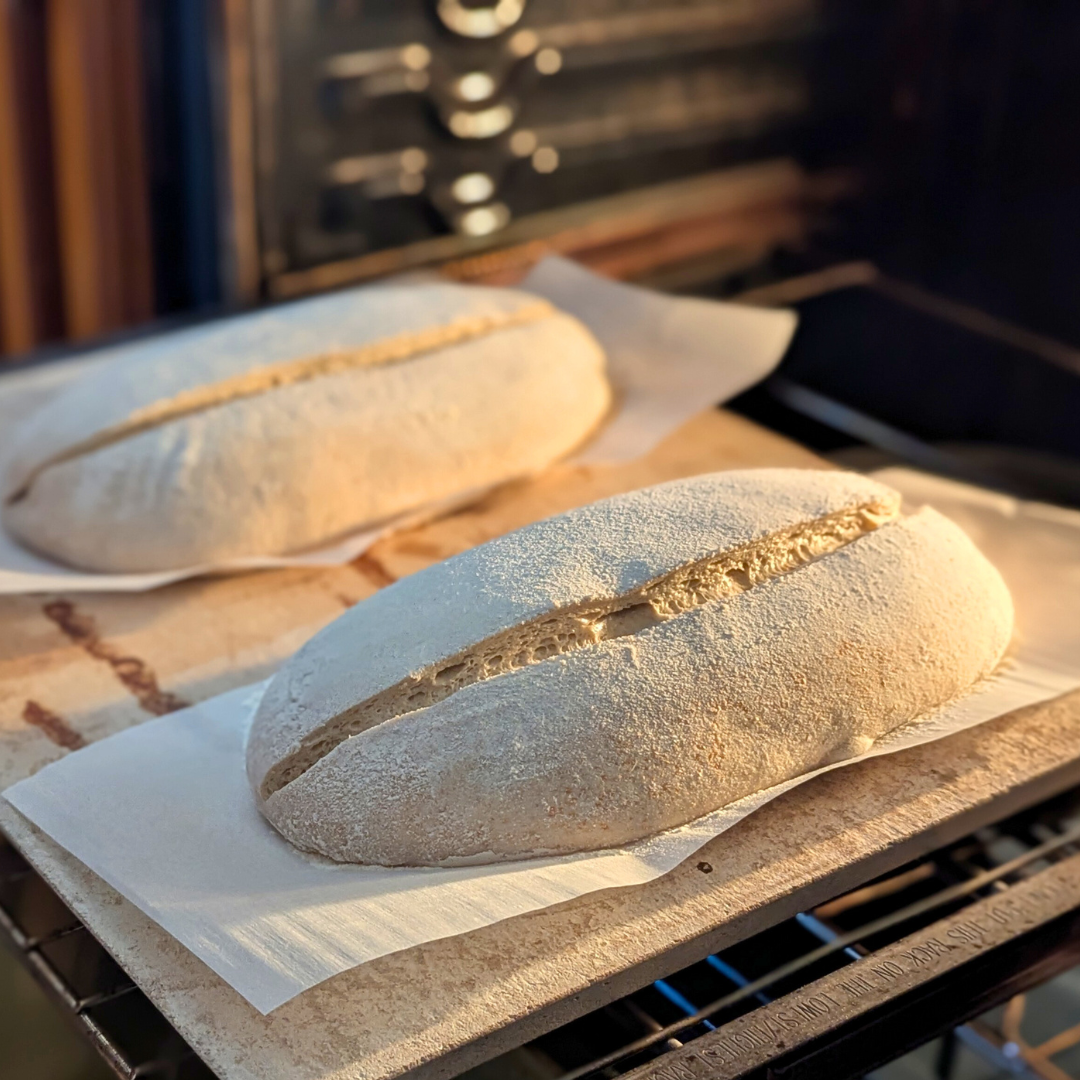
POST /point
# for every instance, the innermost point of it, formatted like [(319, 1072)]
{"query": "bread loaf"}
[(622, 669), (288, 428)]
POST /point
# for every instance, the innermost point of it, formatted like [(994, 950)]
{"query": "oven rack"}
[(861, 980), (841, 989), (83, 981)]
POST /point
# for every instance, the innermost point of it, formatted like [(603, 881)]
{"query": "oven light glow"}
[(483, 124), (475, 86), (484, 220), (548, 61), (546, 159), (474, 187)]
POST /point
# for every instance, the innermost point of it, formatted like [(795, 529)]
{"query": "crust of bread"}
[(617, 738), (287, 429)]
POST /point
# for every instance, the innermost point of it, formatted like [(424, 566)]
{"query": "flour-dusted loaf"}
[(288, 428), (623, 668)]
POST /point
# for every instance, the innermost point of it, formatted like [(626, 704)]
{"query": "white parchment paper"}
[(668, 359), (164, 814)]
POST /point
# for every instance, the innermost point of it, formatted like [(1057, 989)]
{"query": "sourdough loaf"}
[(285, 429), (623, 668)]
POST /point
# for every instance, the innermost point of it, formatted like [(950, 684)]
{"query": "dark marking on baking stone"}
[(704, 867), (54, 727), (136, 675), (373, 570)]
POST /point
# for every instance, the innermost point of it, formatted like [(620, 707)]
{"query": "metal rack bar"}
[(838, 944), (834, 991), (85, 984), (892, 1000)]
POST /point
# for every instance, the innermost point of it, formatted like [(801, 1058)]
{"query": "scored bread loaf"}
[(622, 669), (288, 428)]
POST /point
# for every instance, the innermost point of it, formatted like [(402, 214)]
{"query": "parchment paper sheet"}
[(163, 812), (668, 359)]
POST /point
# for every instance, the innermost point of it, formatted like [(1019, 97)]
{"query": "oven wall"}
[(975, 158)]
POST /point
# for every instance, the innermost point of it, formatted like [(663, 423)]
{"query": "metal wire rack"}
[(838, 991), (84, 981), (857, 982)]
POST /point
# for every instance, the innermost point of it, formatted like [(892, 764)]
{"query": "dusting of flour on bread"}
[(286, 429), (851, 622)]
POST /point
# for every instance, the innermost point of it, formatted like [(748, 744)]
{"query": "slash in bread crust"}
[(263, 380), (585, 624)]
